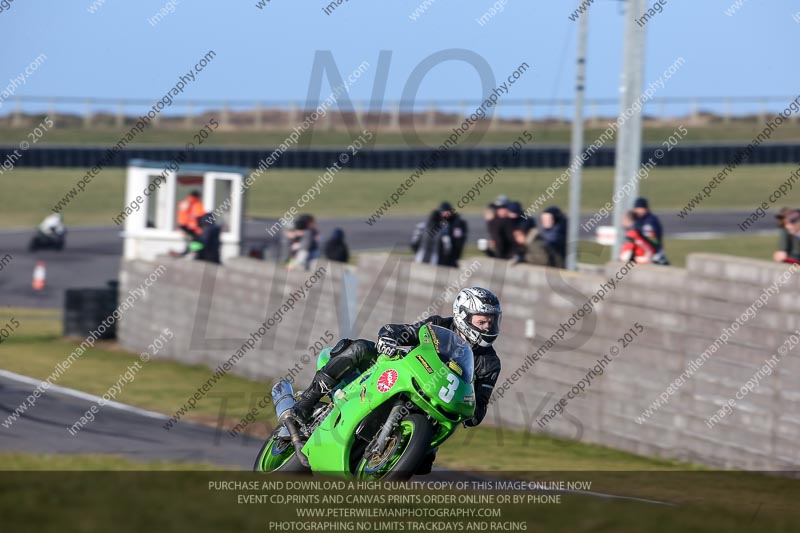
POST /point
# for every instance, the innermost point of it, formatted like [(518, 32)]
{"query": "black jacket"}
[(431, 241), (210, 239), (335, 248), (487, 364), (458, 233), (501, 231)]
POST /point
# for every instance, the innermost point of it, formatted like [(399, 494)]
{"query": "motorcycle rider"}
[(52, 226), (51, 233), (476, 318)]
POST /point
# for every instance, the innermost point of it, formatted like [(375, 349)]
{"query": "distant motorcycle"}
[(44, 241)]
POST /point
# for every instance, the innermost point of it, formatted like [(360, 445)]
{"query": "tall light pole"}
[(629, 134), (576, 148)]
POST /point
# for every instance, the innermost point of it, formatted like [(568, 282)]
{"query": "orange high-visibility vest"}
[(188, 211)]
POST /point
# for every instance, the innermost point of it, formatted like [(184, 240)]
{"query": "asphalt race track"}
[(126, 431), (92, 254)]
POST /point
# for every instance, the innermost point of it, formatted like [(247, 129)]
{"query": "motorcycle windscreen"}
[(454, 352)]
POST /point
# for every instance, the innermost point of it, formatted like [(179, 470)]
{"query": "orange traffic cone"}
[(39, 275)]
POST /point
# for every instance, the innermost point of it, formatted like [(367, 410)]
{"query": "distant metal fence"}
[(388, 159), (423, 114)]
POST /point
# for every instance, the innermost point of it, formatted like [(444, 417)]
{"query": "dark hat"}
[(641, 202), (302, 221), (195, 193), (445, 206), (500, 201)]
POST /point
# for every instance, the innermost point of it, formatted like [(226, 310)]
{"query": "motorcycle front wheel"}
[(404, 451)]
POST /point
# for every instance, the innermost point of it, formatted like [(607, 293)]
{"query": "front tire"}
[(406, 448), (277, 455)]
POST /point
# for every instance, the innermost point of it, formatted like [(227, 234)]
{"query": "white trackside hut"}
[(152, 194)]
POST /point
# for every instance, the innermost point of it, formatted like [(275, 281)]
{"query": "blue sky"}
[(267, 54)]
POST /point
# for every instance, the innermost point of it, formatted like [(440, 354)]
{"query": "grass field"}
[(27, 462), (677, 250), (736, 131), (36, 347), (360, 193)]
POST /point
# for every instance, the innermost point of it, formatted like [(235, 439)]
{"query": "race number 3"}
[(446, 393)]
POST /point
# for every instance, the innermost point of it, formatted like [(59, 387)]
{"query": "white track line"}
[(614, 496), (82, 395), (475, 477)]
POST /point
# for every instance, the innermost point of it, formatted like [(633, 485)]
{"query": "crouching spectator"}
[(206, 245), (650, 228), (547, 244), (788, 243), (553, 232), (335, 248), (636, 246), (790, 252), (499, 226)]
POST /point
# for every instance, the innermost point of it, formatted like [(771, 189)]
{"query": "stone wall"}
[(682, 312)]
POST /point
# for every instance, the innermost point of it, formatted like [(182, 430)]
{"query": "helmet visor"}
[(487, 324)]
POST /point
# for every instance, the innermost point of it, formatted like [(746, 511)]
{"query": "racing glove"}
[(387, 346), (471, 422)]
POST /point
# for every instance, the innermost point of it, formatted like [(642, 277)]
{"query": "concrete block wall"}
[(682, 311), (214, 310)]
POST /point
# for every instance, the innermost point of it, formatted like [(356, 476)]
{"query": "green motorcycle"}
[(382, 423)]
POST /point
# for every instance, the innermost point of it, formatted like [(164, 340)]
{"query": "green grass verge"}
[(360, 193), (736, 131), (677, 250), (35, 348), (28, 462)]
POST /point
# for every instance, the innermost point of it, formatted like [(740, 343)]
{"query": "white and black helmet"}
[(477, 301)]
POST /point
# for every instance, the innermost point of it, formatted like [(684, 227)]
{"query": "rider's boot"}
[(321, 385), (346, 356)]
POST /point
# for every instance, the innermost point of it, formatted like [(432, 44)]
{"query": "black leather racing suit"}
[(487, 364)]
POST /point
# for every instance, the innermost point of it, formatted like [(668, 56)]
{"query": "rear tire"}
[(408, 444)]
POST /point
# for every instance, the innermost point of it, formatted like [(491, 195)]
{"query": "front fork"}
[(383, 435)]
